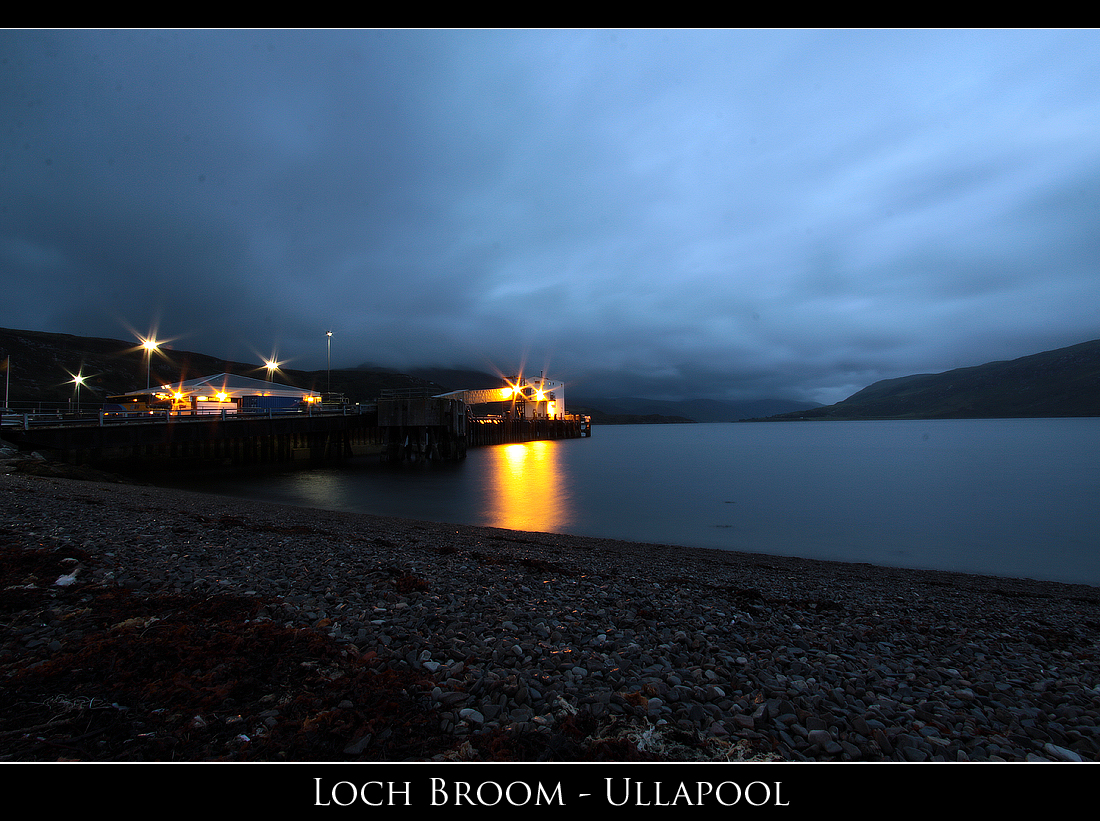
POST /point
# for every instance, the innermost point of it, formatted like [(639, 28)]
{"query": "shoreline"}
[(537, 646)]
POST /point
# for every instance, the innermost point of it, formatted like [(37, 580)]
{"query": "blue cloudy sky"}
[(664, 213)]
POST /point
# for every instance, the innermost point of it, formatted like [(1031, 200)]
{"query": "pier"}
[(411, 426), (420, 426), (178, 440), (416, 429)]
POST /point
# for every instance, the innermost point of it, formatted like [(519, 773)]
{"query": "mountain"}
[(694, 410), (601, 417), (457, 379), (43, 365), (1062, 382)]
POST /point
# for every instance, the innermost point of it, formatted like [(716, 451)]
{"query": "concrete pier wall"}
[(187, 440)]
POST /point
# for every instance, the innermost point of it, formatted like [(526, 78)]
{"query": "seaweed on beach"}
[(165, 677), (171, 677)]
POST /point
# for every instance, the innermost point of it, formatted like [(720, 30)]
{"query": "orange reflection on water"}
[(526, 489)]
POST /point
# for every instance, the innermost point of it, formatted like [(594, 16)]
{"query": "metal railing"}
[(26, 420)]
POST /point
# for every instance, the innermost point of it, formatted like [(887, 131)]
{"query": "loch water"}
[(1002, 497)]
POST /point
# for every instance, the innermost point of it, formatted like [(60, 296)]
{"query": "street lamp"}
[(271, 366), (329, 372), (150, 346), (78, 380)]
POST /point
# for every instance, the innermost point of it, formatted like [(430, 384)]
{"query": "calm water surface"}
[(1014, 497)]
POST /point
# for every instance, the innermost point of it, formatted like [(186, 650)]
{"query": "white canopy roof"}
[(233, 385)]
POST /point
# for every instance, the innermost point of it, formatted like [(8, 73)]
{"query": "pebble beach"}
[(528, 646)]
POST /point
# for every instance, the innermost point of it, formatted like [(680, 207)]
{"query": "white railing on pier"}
[(101, 418)]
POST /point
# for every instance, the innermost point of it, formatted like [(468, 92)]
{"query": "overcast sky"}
[(663, 213)]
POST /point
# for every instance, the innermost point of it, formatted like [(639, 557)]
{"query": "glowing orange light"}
[(527, 489)]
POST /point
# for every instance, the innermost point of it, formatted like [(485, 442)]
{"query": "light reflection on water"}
[(526, 488)]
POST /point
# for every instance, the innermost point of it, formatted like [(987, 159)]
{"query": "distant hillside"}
[(456, 379), (693, 410), (42, 365), (1062, 382), (600, 417)]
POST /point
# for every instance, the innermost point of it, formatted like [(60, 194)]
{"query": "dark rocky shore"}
[(142, 624)]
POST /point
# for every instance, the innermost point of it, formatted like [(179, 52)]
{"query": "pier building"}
[(518, 397), (220, 393)]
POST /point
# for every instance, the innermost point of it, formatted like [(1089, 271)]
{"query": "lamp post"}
[(271, 366), (328, 375), (150, 345), (78, 380)]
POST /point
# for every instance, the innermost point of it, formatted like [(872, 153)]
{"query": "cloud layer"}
[(732, 214)]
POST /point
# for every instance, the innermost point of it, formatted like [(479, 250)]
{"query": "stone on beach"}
[(689, 653)]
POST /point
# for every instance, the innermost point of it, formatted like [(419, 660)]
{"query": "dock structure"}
[(177, 440), (498, 431), (410, 425), (420, 426)]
